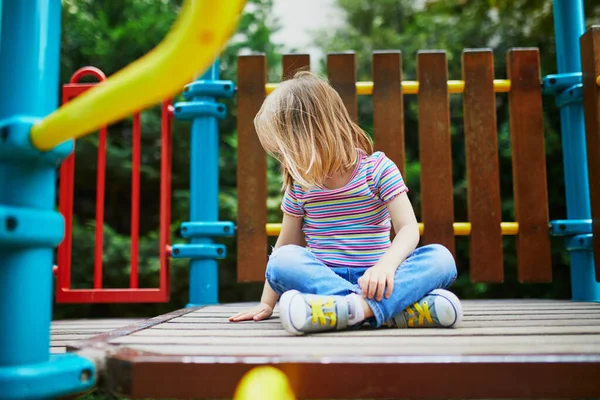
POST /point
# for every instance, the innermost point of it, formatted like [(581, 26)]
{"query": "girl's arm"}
[(291, 233), (380, 278), (406, 228)]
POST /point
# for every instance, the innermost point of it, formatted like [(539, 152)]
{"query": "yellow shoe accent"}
[(318, 315), (423, 314)]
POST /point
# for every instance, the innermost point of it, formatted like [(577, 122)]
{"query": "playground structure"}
[(27, 370)]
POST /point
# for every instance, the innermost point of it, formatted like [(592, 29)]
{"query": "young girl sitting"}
[(334, 265)]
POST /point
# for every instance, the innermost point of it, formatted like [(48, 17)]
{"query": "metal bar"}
[(105, 295), (29, 71), (135, 199), (460, 228), (67, 184), (67, 176), (165, 196), (570, 227), (26, 89), (412, 87), (100, 187), (204, 193), (569, 25)]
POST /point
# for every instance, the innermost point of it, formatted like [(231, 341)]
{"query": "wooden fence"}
[(590, 65), (481, 145)]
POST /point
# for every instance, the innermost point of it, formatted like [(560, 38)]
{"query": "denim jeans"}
[(427, 268)]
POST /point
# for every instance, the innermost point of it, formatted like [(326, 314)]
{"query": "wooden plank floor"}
[(512, 348), (65, 332)]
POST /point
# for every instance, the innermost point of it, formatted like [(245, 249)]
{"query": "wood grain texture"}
[(377, 377), (550, 341), (293, 63), (341, 71), (529, 166), (483, 176), (590, 63), (251, 172), (435, 153), (388, 106)]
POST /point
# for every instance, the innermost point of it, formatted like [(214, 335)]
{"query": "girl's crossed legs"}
[(294, 268)]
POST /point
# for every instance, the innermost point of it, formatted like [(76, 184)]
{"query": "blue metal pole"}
[(29, 86), (204, 195), (569, 25), (202, 108), (29, 225)]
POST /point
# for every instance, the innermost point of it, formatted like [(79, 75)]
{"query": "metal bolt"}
[(11, 223), (220, 109), (226, 87), (562, 227), (552, 81), (226, 229), (186, 89), (177, 109), (4, 133), (175, 251), (85, 376), (219, 251), (580, 241), (184, 229)]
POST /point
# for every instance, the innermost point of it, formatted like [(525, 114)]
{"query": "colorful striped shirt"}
[(349, 226)]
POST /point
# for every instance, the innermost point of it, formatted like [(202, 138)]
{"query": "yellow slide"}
[(196, 39)]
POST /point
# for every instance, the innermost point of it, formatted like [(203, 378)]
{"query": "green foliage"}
[(110, 34), (454, 25)]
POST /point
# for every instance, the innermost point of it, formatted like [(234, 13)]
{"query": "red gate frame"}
[(98, 294)]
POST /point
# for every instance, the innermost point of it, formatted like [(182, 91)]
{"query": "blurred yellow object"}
[(195, 41), (598, 80), (264, 383), (460, 228), (412, 87)]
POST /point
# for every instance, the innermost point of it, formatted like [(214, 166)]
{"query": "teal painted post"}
[(30, 228), (204, 111), (569, 25)]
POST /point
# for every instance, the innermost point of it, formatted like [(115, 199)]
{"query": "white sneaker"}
[(309, 313), (438, 309)]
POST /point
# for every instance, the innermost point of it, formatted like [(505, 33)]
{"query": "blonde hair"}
[(304, 124)]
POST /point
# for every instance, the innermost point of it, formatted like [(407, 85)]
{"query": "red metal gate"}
[(98, 294)]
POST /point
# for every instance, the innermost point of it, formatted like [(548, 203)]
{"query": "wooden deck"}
[(63, 333), (514, 348)]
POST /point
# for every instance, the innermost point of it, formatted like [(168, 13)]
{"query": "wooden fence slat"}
[(483, 176), (590, 63), (388, 106), (529, 166), (341, 71), (435, 153), (293, 63), (251, 171)]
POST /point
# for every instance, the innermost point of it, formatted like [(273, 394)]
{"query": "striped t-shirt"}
[(349, 226)]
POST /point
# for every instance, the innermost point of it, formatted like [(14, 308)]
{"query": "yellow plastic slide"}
[(196, 39)]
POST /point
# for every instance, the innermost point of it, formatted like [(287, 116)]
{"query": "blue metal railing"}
[(202, 108), (569, 25)]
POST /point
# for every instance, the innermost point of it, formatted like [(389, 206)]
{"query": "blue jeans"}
[(427, 268)]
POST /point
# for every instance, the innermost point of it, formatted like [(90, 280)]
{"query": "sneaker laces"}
[(322, 310), (419, 312)]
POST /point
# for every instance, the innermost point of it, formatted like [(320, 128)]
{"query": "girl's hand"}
[(375, 281), (258, 313)]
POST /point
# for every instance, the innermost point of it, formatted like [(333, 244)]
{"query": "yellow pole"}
[(460, 228), (412, 87), (196, 39)]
